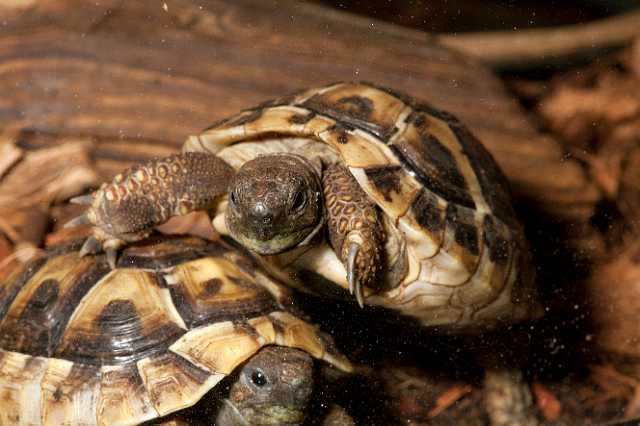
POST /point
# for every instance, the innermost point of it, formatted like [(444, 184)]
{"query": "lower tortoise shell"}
[(81, 343)]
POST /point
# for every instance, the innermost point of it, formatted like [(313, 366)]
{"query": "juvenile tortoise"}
[(82, 344), (418, 215)]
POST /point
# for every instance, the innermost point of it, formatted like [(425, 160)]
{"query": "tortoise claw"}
[(90, 246), (83, 219), (82, 199), (355, 287), (111, 247), (112, 257), (93, 245)]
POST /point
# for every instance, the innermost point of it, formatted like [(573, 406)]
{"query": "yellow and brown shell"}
[(81, 344), (467, 258)]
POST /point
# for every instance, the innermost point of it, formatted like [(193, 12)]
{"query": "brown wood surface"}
[(136, 78)]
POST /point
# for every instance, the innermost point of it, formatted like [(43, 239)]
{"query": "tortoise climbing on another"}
[(417, 214), (81, 343)]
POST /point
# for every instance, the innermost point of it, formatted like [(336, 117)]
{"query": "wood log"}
[(137, 78)]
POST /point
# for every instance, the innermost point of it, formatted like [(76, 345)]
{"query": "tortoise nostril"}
[(260, 213)]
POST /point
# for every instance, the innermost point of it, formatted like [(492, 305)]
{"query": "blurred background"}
[(444, 16)]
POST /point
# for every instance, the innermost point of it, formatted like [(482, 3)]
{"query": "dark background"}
[(473, 15)]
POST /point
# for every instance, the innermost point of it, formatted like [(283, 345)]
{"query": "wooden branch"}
[(504, 49), (138, 79), (521, 49)]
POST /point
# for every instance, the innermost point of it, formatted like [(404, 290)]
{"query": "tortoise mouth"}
[(277, 244), (235, 413), (266, 414)]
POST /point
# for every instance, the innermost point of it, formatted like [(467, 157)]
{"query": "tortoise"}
[(360, 185), (82, 344)]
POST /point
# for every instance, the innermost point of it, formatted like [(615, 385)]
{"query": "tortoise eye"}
[(258, 378), (299, 201), (233, 197)]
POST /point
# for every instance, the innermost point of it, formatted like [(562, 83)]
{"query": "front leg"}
[(127, 208), (355, 231)]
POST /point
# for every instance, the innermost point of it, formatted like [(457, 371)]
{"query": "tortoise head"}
[(275, 203), (273, 388)]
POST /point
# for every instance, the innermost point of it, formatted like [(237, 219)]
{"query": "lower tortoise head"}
[(273, 388), (275, 203)]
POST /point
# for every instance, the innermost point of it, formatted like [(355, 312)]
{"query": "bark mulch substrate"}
[(595, 111)]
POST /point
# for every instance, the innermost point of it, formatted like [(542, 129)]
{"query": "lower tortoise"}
[(366, 188), (82, 344)]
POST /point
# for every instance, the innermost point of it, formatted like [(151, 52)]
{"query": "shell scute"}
[(254, 124), (517, 299), (20, 377), (125, 316), (173, 383), (123, 400), (293, 332), (212, 289), (70, 393), (45, 303), (423, 225), (359, 105), (10, 287), (217, 348), (274, 120), (460, 251), (428, 148), (357, 148), (487, 283), (386, 179), (428, 212), (493, 183), (465, 230), (498, 240), (389, 186)]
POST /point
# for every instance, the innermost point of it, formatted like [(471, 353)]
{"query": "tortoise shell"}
[(83, 344), (467, 259)]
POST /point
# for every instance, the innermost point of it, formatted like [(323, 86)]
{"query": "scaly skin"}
[(273, 388), (352, 218), (127, 209), (275, 204)]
